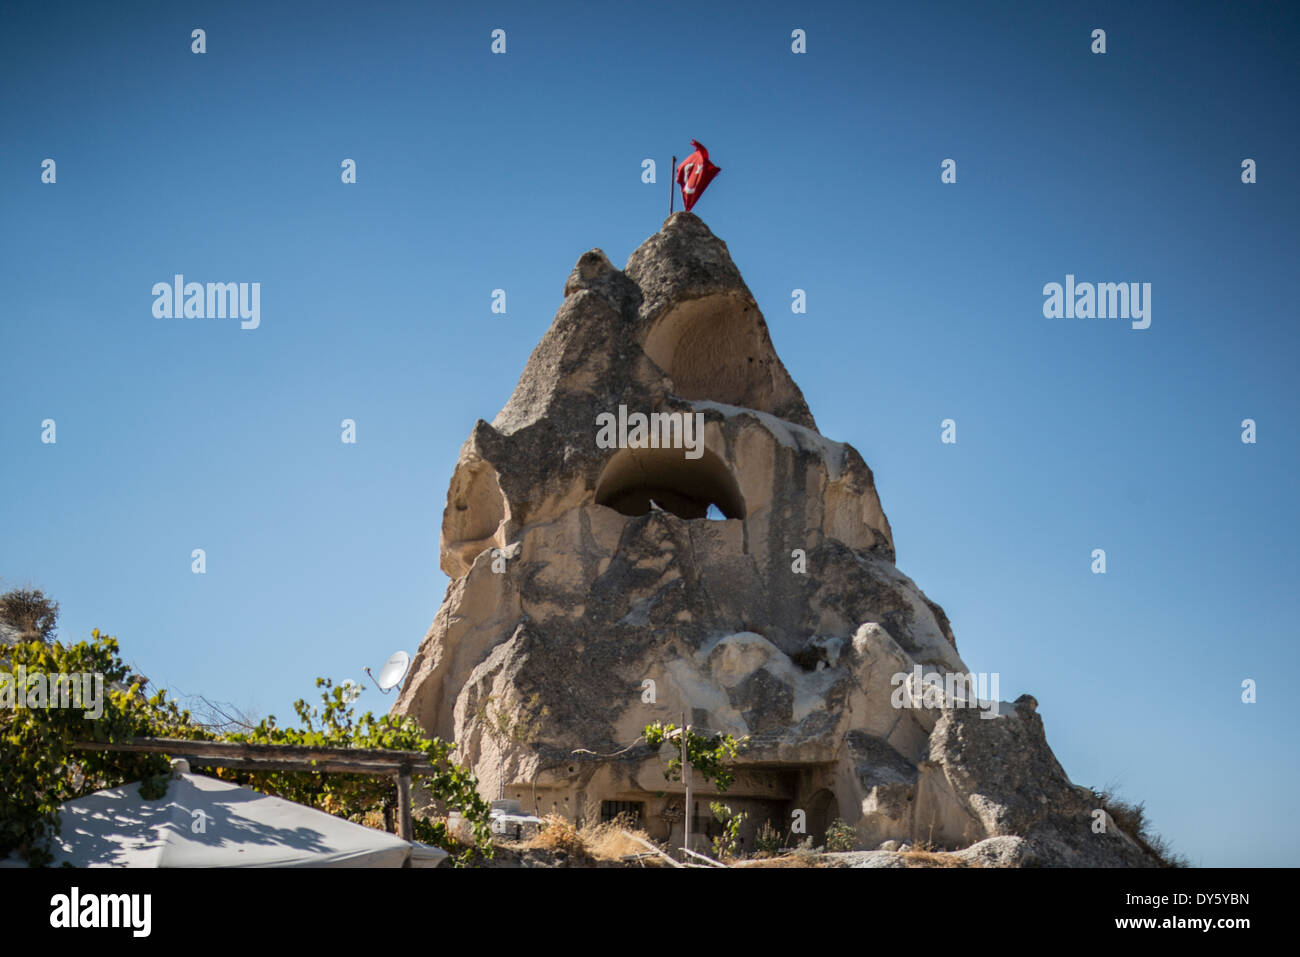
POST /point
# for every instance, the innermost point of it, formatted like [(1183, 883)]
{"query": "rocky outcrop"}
[(726, 563)]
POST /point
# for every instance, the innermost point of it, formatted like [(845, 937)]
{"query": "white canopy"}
[(206, 822)]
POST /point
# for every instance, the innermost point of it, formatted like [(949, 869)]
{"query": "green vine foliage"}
[(362, 798), (727, 843), (39, 769), (710, 754)]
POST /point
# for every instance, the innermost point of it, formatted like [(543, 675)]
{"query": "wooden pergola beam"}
[(242, 749), (243, 756), (301, 764)]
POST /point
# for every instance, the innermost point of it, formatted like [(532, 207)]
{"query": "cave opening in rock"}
[(823, 810), (714, 348), (689, 488)]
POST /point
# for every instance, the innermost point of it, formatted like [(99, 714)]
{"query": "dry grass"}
[(1131, 818), (557, 833), (610, 841), (927, 854), (789, 860), (909, 858), (30, 612), (614, 840), (932, 859)]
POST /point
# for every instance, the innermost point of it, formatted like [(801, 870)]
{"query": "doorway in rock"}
[(822, 809), (637, 481)]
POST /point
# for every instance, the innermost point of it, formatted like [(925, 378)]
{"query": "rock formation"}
[(592, 594)]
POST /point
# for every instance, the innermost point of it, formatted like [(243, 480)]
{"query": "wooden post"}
[(686, 778), (672, 181), (404, 804)]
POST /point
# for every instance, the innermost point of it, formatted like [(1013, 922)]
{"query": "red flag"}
[(694, 174)]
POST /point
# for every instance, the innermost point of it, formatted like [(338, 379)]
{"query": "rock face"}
[(592, 594)]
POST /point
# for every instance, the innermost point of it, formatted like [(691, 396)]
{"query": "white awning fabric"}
[(206, 822)]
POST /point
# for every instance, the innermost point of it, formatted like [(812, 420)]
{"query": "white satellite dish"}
[(392, 671)]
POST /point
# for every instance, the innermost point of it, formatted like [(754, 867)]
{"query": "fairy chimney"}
[(654, 527)]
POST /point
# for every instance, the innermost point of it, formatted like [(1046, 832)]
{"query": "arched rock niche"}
[(714, 348)]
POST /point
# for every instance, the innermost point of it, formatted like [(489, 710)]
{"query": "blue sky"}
[(478, 171)]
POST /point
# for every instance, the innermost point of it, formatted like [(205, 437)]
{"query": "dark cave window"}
[(689, 488)]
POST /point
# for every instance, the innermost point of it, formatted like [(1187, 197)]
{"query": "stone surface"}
[(583, 578)]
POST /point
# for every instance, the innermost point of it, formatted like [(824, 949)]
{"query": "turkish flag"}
[(694, 174)]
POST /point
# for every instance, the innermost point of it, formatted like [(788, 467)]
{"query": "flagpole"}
[(672, 178)]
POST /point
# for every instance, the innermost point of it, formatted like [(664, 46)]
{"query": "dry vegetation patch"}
[(609, 841)]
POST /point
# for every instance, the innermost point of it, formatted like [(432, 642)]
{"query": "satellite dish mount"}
[(391, 674)]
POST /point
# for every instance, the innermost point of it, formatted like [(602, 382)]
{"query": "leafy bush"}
[(841, 836), (39, 769)]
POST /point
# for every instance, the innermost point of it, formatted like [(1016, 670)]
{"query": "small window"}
[(633, 810)]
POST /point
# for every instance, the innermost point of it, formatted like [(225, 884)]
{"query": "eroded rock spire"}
[(592, 593)]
